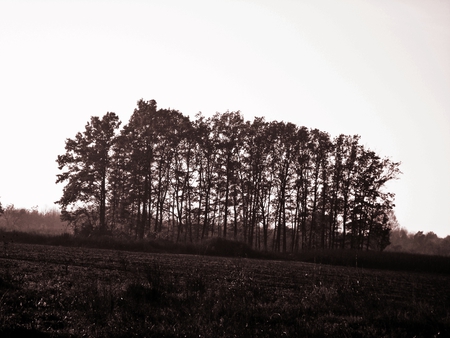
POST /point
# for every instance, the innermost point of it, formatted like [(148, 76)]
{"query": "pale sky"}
[(380, 69)]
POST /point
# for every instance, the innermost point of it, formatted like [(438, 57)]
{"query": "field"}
[(52, 291)]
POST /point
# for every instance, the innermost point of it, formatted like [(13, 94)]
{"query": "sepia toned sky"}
[(377, 68)]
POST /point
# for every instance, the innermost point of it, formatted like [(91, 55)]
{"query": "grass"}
[(52, 291)]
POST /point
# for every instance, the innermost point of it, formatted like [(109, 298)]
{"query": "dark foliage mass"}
[(272, 185), (217, 246)]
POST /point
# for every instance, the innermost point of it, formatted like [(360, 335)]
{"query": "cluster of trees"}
[(273, 184), (418, 243), (32, 220)]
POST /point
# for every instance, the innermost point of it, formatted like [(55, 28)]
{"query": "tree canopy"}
[(275, 185)]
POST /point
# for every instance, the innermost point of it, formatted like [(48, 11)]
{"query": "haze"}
[(379, 69)]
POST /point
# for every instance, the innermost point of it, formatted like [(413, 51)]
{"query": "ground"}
[(53, 291)]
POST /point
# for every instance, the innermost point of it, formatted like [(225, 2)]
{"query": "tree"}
[(254, 160), (138, 140), (87, 164), (11, 217), (227, 129), (214, 175), (286, 150), (318, 151), (206, 158), (346, 148), (301, 189)]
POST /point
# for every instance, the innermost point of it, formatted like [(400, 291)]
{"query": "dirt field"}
[(52, 291)]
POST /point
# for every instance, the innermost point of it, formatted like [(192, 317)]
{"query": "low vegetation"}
[(396, 261)]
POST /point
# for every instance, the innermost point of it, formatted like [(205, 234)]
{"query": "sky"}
[(376, 68)]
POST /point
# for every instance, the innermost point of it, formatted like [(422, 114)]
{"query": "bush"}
[(227, 248)]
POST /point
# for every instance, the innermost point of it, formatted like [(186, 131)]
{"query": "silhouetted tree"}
[(219, 174), (87, 164), (227, 132)]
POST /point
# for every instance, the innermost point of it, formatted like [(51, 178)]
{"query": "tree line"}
[(46, 222), (273, 185), (419, 243)]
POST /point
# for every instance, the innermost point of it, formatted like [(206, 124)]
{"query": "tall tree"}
[(87, 164), (227, 129), (301, 189), (318, 150), (254, 164), (206, 161), (141, 138), (347, 151), (286, 148)]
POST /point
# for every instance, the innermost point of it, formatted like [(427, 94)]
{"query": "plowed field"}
[(53, 291)]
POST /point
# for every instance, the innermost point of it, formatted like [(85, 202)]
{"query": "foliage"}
[(272, 185), (419, 243), (87, 160), (54, 292), (47, 222)]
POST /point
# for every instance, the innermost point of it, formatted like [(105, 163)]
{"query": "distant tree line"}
[(418, 243), (273, 185), (32, 221)]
